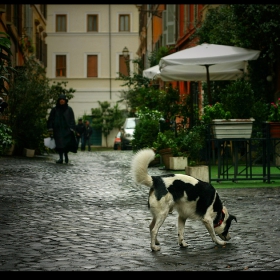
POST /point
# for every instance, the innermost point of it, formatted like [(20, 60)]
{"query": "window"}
[(92, 23), (60, 66), (92, 66), (61, 23), (124, 23), (124, 65)]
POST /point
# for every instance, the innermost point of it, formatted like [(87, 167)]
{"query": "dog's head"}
[(222, 227)]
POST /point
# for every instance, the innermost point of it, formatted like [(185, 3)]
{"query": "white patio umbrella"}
[(195, 73), (230, 71), (222, 59), (151, 72)]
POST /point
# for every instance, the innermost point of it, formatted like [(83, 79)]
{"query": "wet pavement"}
[(90, 216)]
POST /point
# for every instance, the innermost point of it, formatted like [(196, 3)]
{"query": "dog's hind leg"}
[(209, 225), (181, 230), (156, 223), (152, 224)]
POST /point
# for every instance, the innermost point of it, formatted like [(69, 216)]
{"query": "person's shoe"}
[(66, 159), (59, 161)]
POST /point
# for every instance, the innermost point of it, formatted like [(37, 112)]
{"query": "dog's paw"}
[(222, 243), (183, 244), (155, 248)]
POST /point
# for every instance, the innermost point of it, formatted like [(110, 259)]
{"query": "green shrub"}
[(146, 130), (6, 139)]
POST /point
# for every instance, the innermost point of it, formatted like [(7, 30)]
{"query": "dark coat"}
[(80, 128), (61, 120), (88, 132)]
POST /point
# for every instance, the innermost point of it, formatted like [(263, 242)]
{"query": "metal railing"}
[(239, 158)]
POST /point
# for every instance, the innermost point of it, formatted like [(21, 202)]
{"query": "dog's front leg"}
[(209, 225), (181, 230)]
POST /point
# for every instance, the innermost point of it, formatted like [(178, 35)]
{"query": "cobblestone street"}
[(90, 216)]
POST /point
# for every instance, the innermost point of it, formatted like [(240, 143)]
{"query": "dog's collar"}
[(220, 220)]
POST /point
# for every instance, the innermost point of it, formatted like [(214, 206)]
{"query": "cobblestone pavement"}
[(90, 216)]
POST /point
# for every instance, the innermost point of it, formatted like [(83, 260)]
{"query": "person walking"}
[(80, 129), (87, 134), (61, 125)]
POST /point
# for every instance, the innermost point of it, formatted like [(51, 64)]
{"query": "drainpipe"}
[(110, 80)]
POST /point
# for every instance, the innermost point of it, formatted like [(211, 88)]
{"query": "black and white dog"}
[(191, 198)]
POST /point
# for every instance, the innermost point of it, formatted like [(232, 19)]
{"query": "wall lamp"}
[(125, 52), (151, 12)]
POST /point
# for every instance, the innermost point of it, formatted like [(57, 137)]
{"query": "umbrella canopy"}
[(151, 72), (230, 71), (206, 56)]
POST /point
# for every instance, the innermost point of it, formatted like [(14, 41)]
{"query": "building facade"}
[(26, 26), (85, 44), (85, 48)]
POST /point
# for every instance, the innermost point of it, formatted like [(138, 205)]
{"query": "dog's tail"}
[(139, 167)]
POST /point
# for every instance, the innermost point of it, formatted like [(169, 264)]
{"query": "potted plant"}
[(168, 145), (223, 123), (195, 141), (232, 117), (274, 119), (6, 140)]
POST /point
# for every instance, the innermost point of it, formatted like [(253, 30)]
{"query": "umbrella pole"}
[(208, 85)]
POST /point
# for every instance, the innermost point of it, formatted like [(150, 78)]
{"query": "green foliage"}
[(253, 26), (107, 118), (165, 140), (30, 98), (218, 27), (5, 61), (216, 111), (145, 98), (6, 139), (58, 88), (157, 54), (274, 111), (146, 129), (172, 140), (238, 99), (260, 111), (194, 141), (185, 143)]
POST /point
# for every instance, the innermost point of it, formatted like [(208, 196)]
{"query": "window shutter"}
[(171, 24), (123, 65), (61, 66), (164, 28), (92, 66)]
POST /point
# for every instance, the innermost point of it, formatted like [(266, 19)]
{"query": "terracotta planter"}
[(165, 155), (232, 128), (274, 128)]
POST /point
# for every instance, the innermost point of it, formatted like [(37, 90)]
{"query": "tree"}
[(30, 98), (107, 118), (5, 61), (253, 26)]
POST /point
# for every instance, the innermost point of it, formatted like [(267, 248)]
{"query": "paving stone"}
[(90, 216)]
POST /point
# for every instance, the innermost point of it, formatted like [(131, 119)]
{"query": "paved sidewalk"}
[(90, 216)]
